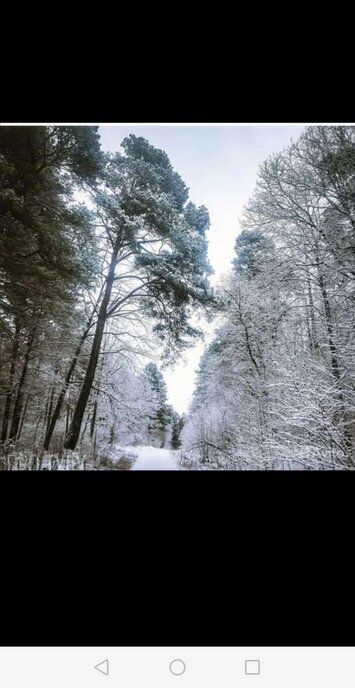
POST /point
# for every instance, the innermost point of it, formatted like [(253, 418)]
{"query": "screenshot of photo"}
[(177, 297)]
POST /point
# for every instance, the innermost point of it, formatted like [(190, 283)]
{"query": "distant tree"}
[(161, 418), (252, 249), (177, 426)]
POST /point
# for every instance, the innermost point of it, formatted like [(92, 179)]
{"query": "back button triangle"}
[(103, 667)]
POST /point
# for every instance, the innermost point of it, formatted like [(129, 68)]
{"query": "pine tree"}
[(177, 426), (161, 418), (252, 249), (46, 245), (156, 254)]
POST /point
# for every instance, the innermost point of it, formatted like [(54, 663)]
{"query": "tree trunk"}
[(347, 434), (50, 400), (7, 410), (94, 447), (45, 417), (84, 431), (23, 415), (36, 429), (311, 322), (329, 323), (94, 415), (93, 418), (67, 417), (17, 410), (30, 392), (74, 430), (53, 421)]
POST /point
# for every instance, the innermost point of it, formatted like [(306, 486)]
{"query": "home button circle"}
[(177, 667)]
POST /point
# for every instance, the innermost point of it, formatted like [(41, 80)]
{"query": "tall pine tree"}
[(156, 254)]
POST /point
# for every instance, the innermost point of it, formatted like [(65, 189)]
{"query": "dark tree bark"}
[(50, 401), (347, 433), (24, 415), (311, 322), (93, 418), (7, 410), (58, 407), (74, 430), (94, 413), (28, 398), (330, 331), (67, 418), (18, 406)]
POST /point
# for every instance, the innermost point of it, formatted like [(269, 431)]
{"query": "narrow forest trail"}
[(155, 459)]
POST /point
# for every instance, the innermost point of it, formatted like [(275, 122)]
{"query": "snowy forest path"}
[(154, 459)]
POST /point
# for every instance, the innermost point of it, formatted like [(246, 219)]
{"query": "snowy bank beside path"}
[(154, 459)]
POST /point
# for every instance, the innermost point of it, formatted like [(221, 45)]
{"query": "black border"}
[(209, 558), (198, 95), (236, 70)]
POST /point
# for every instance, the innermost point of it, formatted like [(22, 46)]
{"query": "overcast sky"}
[(219, 165)]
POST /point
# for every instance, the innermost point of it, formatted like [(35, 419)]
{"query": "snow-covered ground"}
[(154, 459)]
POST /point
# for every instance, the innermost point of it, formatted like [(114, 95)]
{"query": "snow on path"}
[(154, 459)]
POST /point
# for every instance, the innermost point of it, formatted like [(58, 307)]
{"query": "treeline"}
[(102, 260), (276, 386)]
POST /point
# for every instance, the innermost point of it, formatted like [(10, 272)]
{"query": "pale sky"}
[(219, 165)]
